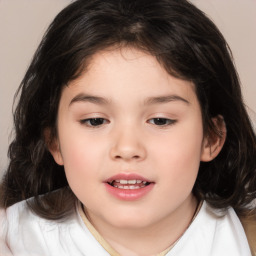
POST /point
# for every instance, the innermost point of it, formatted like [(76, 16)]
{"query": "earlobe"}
[(213, 142), (56, 153), (53, 147)]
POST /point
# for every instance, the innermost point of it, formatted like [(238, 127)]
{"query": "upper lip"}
[(127, 176)]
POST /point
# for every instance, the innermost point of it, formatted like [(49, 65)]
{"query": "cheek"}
[(82, 159), (77, 147), (76, 155), (180, 153), (82, 170)]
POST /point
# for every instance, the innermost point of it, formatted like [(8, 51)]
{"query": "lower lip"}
[(129, 194)]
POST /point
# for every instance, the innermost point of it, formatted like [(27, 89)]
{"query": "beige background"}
[(22, 23)]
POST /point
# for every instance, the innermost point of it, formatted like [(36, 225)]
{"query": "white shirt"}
[(22, 233)]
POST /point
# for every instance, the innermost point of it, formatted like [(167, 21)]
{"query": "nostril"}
[(127, 151), (127, 157)]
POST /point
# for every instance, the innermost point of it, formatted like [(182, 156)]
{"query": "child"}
[(131, 138)]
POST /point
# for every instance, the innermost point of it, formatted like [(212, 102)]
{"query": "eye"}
[(93, 122), (161, 121)]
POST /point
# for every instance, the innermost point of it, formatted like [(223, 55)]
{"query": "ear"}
[(53, 146), (214, 141)]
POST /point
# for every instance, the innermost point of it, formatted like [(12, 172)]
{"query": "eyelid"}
[(86, 120), (91, 115)]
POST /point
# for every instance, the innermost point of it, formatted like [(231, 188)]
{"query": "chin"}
[(130, 221)]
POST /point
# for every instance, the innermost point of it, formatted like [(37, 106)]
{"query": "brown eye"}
[(161, 121), (93, 121)]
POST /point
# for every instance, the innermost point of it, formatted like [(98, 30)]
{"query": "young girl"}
[(131, 138)]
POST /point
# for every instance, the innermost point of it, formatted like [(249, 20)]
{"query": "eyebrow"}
[(81, 97), (165, 99)]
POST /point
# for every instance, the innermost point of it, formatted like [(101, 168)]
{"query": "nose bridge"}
[(128, 143)]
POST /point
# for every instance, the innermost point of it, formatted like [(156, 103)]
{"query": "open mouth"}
[(128, 184)]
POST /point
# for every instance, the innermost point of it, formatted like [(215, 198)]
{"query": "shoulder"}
[(16, 212), (23, 229), (225, 231), (13, 222), (26, 234), (224, 221), (15, 215), (213, 232), (20, 215)]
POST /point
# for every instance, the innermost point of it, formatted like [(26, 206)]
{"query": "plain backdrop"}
[(23, 22)]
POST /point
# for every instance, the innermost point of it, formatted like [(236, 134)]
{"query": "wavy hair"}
[(184, 41)]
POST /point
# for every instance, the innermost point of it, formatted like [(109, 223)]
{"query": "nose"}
[(127, 145)]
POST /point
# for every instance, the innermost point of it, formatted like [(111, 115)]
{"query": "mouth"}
[(129, 184)]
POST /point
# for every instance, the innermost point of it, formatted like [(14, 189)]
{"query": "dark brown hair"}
[(184, 41)]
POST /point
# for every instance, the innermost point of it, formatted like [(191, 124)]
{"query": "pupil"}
[(96, 121), (160, 121)]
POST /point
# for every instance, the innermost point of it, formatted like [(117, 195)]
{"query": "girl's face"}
[(130, 137)]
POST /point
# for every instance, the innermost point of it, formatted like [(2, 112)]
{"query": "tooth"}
[(144, 182), (120, 186), (138, 181), (131, 181), (126, 187), (134, 187), (117, 180), (123, 181)]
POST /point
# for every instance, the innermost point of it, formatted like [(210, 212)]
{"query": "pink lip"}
[(128, 194)]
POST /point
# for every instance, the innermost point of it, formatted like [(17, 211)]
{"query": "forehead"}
[(112, 73)]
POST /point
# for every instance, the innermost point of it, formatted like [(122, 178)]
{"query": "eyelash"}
[(97, 122), (94, 122), (162, 121)]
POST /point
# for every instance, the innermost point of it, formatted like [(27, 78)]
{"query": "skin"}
[(134, 90)]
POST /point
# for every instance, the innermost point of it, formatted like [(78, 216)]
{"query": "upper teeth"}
[(130, 181)]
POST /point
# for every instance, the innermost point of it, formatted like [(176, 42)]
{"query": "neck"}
[(149, 240)]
